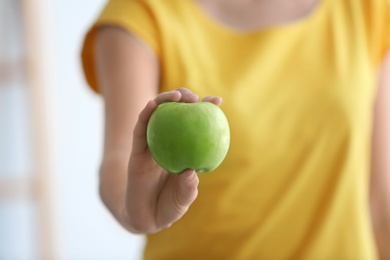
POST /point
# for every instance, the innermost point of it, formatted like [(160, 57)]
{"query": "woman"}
[(306, 175)]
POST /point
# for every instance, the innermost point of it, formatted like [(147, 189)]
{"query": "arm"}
[(121, 63), (380, 174), (141, 196)]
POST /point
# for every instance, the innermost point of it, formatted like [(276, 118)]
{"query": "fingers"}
[(187, 189), (187, 95), (168, 96), (213, 99), (139, 138), (177, 196), (181, 94), (190, 97)]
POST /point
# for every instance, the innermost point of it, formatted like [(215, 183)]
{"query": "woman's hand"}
[(141, 196), (155, 199)]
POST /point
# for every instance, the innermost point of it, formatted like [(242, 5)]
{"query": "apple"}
[(184, 136)]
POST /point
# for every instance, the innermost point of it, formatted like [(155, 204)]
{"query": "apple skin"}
[(184, 136)]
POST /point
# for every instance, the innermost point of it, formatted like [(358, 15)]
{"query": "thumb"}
[(176, 197), (187, 188)]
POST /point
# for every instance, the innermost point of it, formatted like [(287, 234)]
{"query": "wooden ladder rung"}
[(21, 188)]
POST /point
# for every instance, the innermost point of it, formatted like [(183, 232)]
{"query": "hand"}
[(155, 199)]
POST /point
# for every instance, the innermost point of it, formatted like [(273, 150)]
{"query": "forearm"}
[(112, 188), (128, 77), (381, 225), (380, 193), (380, 171)]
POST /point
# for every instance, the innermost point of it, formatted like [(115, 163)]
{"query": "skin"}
[(142, 196), (380, 169)]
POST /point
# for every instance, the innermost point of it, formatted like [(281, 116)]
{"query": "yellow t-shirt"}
[(299, 101)]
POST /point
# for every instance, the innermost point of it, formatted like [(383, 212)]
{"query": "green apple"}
[(184, 136)]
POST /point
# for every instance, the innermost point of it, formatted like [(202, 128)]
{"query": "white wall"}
[(85, 228), (16, 217)]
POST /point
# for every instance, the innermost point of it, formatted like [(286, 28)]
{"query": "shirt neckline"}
[(209, 21)]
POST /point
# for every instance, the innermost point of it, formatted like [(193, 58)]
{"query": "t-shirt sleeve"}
[(134, 16), (385, 29), (378, 28)]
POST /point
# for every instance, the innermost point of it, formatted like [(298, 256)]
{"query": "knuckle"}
[(182, 89)]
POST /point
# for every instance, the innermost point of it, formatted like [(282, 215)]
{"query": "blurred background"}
[(51, 139)]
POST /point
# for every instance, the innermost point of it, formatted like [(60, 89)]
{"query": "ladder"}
[(36, 186)]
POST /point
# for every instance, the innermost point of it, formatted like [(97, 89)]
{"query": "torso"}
[(298, 100)]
